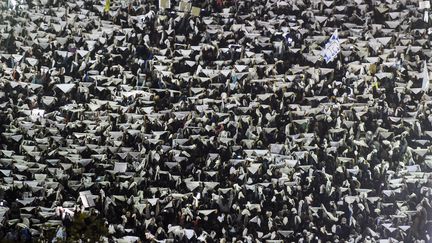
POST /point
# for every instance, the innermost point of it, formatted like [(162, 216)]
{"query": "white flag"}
[(425, 75)]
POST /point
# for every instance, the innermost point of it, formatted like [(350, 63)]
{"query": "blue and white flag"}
[(332, 48)]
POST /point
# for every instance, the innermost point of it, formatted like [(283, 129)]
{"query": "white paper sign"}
[(164, 4), (424, 5)]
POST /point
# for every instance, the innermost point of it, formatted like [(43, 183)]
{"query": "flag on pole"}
[(107, 6), (425, 75), (332, 48)]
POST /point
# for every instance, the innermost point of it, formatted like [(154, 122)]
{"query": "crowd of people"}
[(222, 125)]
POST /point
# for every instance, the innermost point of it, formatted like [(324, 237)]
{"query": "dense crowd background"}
[(138, 124)]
